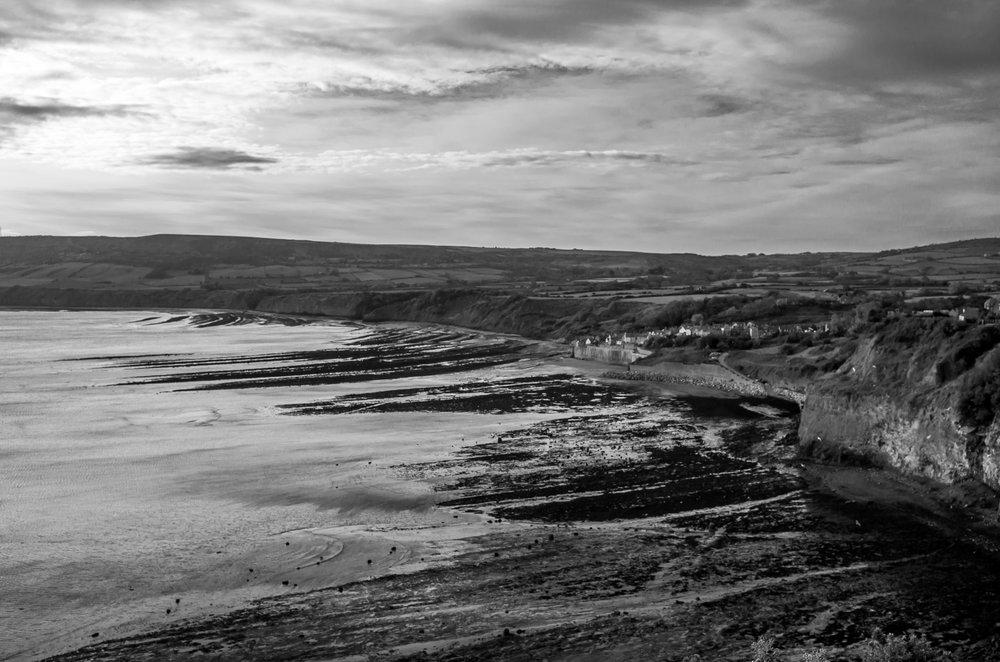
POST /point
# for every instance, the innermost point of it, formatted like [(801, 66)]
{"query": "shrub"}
[(741, 342), (982, 341), (682, 341), (763, 650), (883, 647), (980, 401)]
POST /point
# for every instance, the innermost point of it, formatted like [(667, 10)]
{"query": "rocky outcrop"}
[(743, 387), (880, 431), (902, 401)]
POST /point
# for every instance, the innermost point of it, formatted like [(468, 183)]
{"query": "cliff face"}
[(907, 399), (878, 430)]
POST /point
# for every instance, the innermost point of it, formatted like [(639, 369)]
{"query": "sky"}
[(711, 126)]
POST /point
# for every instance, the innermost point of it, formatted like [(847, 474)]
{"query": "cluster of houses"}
[(752, 330), (627, 347), (990, 312)]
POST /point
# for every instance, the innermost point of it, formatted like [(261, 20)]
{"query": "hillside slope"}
[(918, 395), (305, 261)]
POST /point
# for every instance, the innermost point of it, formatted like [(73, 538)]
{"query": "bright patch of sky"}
[(659, 125)]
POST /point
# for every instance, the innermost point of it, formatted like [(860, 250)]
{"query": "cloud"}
[(13, 110), (372, 161), (553, 20), (907, 39), (206, 157), (15, 114), (722, 104), (458, 120), (476, 83), (876, 161), (515, 158), (563, 202)]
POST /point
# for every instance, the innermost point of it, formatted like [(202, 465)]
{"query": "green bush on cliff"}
[(968, 351), (916, 330), (980, 400), (966, 354), (899, 648), (763, 650)]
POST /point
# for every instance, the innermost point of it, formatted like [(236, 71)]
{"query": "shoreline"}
[(705, 377)]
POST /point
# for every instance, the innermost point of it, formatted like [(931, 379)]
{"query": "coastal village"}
[(628, 347)]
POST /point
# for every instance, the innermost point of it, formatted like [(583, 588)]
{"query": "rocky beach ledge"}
[(707, 375)]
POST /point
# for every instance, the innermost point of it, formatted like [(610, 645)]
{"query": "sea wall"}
[(604, 354)]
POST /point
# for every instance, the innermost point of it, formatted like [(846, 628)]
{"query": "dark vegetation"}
[(246, 263), (968, 351), (201, 254), (980, 402), (949, 351)]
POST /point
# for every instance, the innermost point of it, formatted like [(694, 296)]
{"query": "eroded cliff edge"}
[(916, 395)]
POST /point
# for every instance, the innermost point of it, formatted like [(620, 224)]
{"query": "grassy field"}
[(199, 267)]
